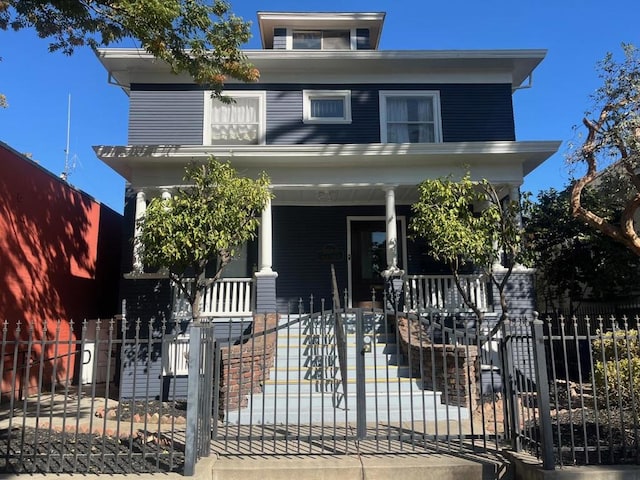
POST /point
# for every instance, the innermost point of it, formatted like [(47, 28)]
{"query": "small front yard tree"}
[(612, 147), (202, 226), (459, 236)]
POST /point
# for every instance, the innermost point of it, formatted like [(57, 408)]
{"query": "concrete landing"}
[(369, 467)]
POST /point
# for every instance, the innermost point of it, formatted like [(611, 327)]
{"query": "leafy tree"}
[(573, 260), (202, 226), (612, 147), (197, 37), (459, 236)]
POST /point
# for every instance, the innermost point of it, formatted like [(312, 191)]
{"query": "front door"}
[(368, 254)]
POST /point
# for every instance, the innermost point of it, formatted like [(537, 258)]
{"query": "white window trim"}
[(307, 95), (208, 103), (434, 94)]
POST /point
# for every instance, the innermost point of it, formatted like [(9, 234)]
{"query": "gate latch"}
[(367, 344)]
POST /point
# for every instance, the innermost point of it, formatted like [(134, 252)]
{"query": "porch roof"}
[(335, 173)]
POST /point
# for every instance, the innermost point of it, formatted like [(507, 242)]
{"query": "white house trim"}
[(126, 66)]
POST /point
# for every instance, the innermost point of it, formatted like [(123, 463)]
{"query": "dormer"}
[(320, 31)]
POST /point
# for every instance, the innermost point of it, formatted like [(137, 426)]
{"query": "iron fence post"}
[(193, 394), (508, 373), (543, 400), (361, 405)]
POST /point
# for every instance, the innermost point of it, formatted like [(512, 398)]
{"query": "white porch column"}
[(141, 208), (266, 277), (266, 240), (392, 233), (514, 196)]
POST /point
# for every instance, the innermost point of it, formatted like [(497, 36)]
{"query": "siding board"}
[(166, 117), (173, 114)]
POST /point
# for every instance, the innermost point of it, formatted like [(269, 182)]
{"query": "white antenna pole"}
[(65, 173)]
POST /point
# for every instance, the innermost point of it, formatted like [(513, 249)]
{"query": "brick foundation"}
[(246, 367), (456, 367)]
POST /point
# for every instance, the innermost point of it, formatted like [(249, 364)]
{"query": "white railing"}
[(439, 292), (177, 358), (228, 297)]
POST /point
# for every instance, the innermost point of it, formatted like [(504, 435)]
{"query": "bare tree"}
[(611, 148)]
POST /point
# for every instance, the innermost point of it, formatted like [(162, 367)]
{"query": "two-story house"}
[(344, 130)]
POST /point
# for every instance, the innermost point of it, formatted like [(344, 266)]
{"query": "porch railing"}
[(228, 297), (423, 292)]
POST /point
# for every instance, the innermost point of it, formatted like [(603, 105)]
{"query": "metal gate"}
[(337, 382)]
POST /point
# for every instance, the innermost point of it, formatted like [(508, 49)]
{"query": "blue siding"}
[(166, 117), (285, 125), (310, 239), (173, 114), (472, 113)]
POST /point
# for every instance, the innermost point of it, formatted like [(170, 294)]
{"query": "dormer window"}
[(320, 31), (321, 39)]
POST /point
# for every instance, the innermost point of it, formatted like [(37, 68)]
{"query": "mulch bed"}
[(583, 434), (127, 437), (52, 451)]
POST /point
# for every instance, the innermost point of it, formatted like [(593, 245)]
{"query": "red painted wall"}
[(59, 260)]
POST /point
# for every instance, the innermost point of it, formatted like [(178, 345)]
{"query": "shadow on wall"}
[(59, 252)]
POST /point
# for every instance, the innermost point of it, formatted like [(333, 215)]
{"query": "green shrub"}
[(621, 369)]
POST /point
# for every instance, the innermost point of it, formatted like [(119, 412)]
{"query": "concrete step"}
[(274, 409), (332, 467), (380, 370), (295, 351), (304, 386)]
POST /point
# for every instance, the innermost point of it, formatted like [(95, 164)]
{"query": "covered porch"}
[(343, 205)]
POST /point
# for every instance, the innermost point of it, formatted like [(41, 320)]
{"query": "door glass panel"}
[(373, 254), (369, 260)]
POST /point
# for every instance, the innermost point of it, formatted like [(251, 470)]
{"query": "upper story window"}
[(326, 106), (410, 117), (321, 39), (241, 122)]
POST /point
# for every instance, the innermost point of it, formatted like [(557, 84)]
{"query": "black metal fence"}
[(120, 396), (61, 410), (592, 367)]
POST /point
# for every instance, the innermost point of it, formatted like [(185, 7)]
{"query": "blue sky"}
[(577, 33)]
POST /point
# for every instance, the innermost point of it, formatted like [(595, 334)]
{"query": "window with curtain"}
[(239, 122), (409, 117), (327, 106)]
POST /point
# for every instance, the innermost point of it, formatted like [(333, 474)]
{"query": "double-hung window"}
[(410, 117), (240, 122), (326, 106), (321, 39)]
